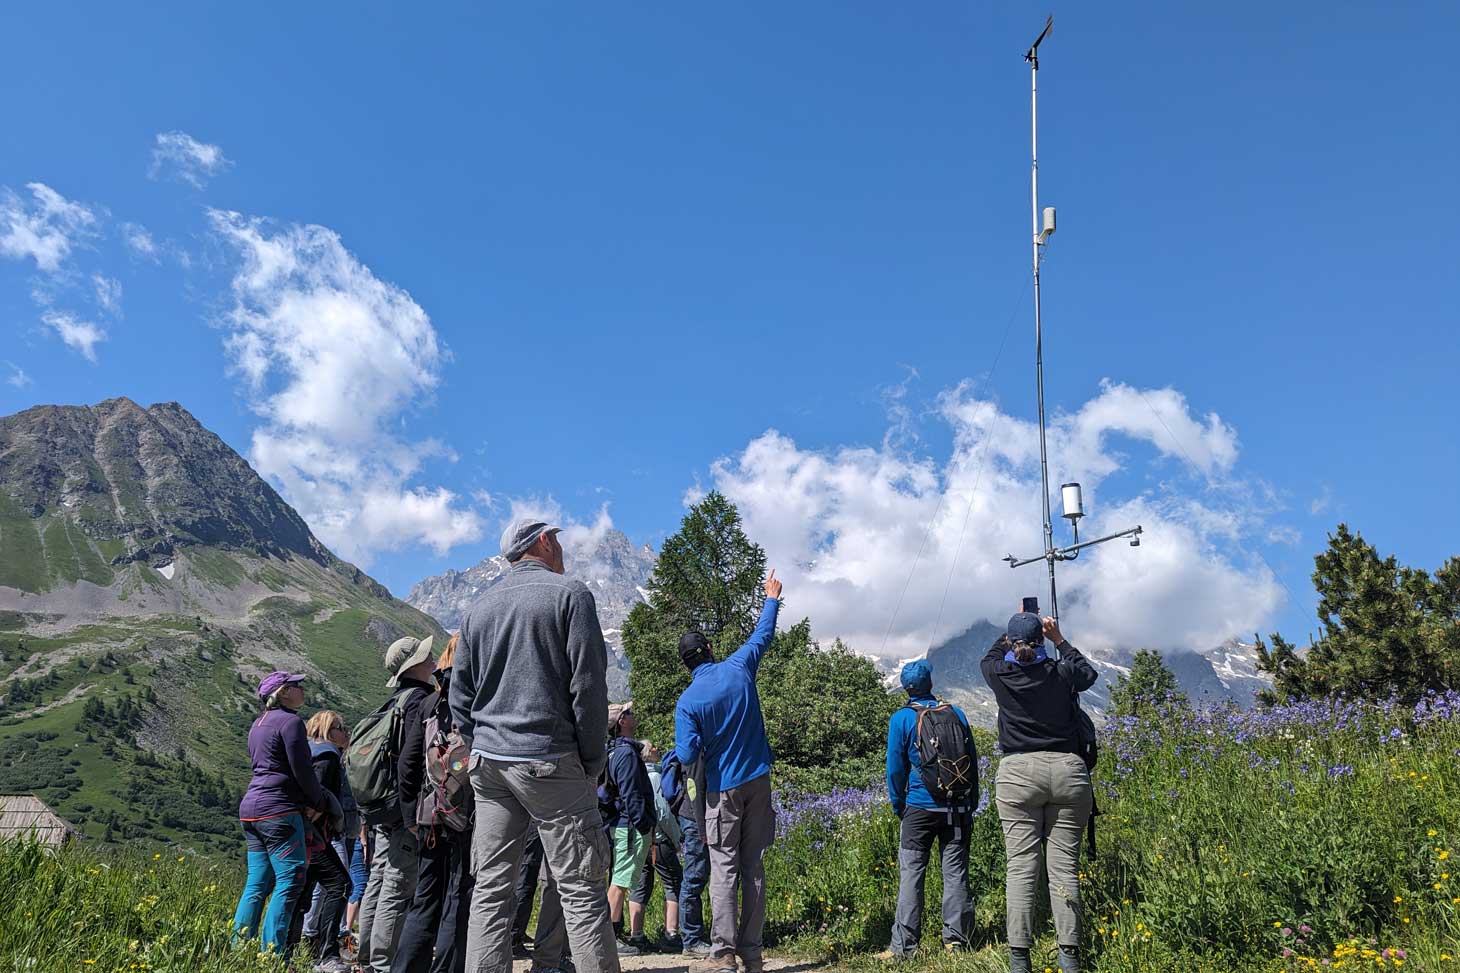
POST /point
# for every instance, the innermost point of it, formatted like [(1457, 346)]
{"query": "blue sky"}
[(424, 265)]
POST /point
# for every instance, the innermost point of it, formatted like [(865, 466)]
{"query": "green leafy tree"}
[(1388, 629), (1147, 688), (826, 711)]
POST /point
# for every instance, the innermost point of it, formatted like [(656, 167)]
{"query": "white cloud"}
[(1322, 502), (45, 229), (186, 158), (77, 334), (17, 376), (844, 528), (333, 358), (108, 293), (139, 241)]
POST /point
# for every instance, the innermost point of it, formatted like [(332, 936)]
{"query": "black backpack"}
[(1086, 744), (947, 758)]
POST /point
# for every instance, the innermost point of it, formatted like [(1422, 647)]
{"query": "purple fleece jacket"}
[(283, 773)]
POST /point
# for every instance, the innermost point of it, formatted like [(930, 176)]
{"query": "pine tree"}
[(1148, 687), (1388, 629), (708, 578), (826, 712)]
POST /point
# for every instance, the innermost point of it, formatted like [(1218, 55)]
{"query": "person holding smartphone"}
[(1043, 783)]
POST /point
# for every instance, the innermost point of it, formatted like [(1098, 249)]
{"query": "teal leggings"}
[(276, 863)]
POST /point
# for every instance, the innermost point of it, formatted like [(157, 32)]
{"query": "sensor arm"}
[(1073, 551)]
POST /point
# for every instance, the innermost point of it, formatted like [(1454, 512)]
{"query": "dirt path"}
[(675, 963)]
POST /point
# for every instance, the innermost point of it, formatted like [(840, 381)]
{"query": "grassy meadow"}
[(1308, 837), (1315, 836)]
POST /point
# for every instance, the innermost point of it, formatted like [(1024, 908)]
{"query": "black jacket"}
[(410, 767), (1035, 707), (633, 805)]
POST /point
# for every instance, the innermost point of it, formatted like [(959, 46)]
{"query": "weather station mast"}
[(1070, 496)]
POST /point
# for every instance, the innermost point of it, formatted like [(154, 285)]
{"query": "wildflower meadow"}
[(1321, 835)]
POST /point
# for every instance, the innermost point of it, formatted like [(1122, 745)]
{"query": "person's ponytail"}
[(1023, 653)]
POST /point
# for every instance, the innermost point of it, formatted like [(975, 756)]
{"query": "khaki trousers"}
[(557, 796), (739, 829), (1044, 800)]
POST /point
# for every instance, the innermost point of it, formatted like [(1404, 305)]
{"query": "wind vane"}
[(1070, 496)]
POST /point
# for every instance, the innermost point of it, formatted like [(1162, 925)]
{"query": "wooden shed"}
[(23, 815)]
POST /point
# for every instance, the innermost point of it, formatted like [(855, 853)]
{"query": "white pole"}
[(1033, 58)]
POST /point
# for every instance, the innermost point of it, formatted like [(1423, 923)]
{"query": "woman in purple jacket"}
[(283, 790)]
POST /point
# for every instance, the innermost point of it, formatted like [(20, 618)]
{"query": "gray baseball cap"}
[(522, 533), (404, 653)]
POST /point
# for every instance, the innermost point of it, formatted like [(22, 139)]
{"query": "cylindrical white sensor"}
[(1074, 503)]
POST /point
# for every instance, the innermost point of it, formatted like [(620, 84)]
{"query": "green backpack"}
[(370, 762)]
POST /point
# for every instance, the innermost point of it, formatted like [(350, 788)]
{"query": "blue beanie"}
[(917, 678)]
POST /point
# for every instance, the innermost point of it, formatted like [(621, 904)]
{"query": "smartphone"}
[(1031, 605)]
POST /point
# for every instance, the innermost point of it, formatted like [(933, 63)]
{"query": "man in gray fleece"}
[(528, 690)]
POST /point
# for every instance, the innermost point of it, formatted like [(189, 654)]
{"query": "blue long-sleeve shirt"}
[(719, 715), (904, 782)]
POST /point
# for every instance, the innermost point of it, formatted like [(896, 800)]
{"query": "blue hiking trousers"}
[(277, 863)]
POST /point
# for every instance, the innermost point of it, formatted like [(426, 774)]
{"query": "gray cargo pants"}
[(920, 828), (557, 796), (739, 828), (1044, 800), (388, 895)]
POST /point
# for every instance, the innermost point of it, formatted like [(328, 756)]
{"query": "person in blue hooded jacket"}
[(924, 821)]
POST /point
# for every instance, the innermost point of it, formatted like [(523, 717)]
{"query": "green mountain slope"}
[(148, 576)]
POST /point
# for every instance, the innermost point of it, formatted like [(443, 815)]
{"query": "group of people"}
[(499, 769)]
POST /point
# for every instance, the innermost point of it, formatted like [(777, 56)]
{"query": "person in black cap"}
[(718, 718), (1043, 783)]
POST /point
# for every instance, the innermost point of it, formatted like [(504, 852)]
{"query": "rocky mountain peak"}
[(153, 480)]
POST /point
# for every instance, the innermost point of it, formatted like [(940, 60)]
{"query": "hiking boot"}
[(1019, 960), (635, 946), (520, 951), (713, 964), (670, 944), (565, 965), (332, 965), (1069, 959), (695, 949)]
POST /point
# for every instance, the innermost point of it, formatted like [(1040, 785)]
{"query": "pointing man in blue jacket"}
[(926, 818), (719, 718)]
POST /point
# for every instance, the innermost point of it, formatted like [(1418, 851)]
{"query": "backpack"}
[(1086, 744), (947, 758), (370, 763), (1087, 747), (447, 800), (671, 782)]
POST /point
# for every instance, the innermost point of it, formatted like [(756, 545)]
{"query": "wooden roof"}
[(26, 814)]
